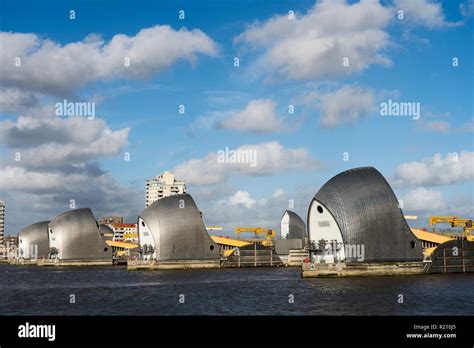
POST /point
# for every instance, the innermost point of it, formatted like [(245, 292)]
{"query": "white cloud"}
[(447, 127), (422, 199), (263, 211), (271, 157), (437, 170), (468, 127), (57, 141), (314, 45), (258, 116), (48, 67), (438, 126), (13, 100), (58, 154), (278, 193), (241, 197), (345, 105), (33, 196), (19, 179), (57, 165), (422, 13), (15, 178), (467, 8)]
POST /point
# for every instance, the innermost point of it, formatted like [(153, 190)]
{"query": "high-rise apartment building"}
[(163, 185)]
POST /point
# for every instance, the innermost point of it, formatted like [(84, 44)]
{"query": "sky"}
[(301, 84)]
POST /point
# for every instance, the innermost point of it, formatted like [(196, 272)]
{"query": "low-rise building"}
[(125, 232), (107, 220), (11, 240)]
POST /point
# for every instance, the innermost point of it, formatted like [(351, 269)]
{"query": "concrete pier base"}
[(73, 263), (134, 265), (310, 270), (22, 262)]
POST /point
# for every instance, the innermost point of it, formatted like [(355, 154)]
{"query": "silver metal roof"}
[(178, 230), (367, 213), (36, 236), (76, 235), (297, 227)]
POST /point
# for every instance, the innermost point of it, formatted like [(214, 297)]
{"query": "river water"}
[(30, 290)]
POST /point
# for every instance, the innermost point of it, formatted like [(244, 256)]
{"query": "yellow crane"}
[(455, 221), (269, 234)]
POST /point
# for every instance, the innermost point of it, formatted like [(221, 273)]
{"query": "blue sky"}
[(407, 60)]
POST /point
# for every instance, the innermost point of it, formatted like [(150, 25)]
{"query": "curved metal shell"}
[(75, 234), (105, 229), (177, 230), (106, 233), (367, 213), (297, 227), (33, 241)]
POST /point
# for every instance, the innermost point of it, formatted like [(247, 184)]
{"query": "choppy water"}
[(32, 290)]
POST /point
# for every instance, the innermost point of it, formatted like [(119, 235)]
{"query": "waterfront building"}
[(106, 220), (33, 241), (10, 246), (124, 232), (162, 186), (11, 240), (172, 229), (355, 217), (2, 221)]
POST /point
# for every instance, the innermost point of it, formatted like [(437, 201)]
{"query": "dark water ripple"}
[(262, 291)]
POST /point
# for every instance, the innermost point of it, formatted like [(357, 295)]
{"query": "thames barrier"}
[(354, 227)]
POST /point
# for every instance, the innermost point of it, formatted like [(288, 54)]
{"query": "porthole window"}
[(211, 247), (412, 244), (105, 249), (143, 223), (320, 209)]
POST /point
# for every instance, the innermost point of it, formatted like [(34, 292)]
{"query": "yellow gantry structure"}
[(430, 237), (228, 245), (429, 240), (454, 221), (269, 234), (124, 245), (229, 241)]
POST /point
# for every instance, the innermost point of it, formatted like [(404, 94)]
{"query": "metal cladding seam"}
[(77, 236), (35, 234), (367, 213), (178, 231), (297, 227)]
